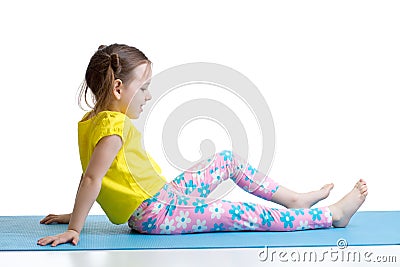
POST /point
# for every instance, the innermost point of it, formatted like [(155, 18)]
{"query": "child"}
[(127, 183)]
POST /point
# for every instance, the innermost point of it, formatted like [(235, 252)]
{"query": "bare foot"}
[(306, 200), (344, 209)]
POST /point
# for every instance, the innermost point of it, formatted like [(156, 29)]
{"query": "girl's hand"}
[(52, 218), (69, 236)]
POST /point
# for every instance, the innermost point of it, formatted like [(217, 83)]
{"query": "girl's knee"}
[(228, 155)]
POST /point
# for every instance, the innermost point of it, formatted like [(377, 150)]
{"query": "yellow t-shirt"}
[(133, 175)]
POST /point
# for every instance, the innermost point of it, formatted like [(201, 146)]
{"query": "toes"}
[(362, 181), (328, 186), (357, 185), (363, 190)]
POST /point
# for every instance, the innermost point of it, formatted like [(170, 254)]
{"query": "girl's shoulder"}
[(89, 115), (107, 114), (105, 123)]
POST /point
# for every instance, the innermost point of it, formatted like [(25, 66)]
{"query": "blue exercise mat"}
[(368, 228)]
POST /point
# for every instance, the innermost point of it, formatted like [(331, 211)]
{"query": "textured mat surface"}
[(368, 228)]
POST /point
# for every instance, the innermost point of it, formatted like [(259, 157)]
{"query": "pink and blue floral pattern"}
[(183, 205)]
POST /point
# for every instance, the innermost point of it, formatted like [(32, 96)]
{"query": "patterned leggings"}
[(183, 205)]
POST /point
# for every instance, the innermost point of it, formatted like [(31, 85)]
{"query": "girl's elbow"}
[(91, 179)]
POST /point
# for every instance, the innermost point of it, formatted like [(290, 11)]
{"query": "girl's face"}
[(135, 94)]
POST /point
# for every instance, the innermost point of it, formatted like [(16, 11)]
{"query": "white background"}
[(329, 72)]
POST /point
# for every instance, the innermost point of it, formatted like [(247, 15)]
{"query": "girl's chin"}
[(133, 116)]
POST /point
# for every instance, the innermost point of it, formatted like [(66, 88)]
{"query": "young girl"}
[(128, 184)]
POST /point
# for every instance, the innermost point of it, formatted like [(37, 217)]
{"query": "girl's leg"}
[(205, 176), (293, 200), (195, 214), (190, 214)]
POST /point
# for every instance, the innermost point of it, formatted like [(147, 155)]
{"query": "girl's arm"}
[(102, 157)]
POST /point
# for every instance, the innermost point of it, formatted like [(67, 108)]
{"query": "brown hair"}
[(108, 63)]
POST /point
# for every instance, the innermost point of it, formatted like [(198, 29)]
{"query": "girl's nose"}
[(148, 96)]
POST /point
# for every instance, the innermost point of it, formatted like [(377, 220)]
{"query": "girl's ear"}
[(117, 89)]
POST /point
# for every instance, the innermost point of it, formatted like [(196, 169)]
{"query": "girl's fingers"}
[(46, 221), (47, 218), (75, 241), (51, 219), (69, 236), (61, 240), (46, 240), (56, 242)]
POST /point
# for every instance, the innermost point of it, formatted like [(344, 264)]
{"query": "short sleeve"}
[(109, 124)]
